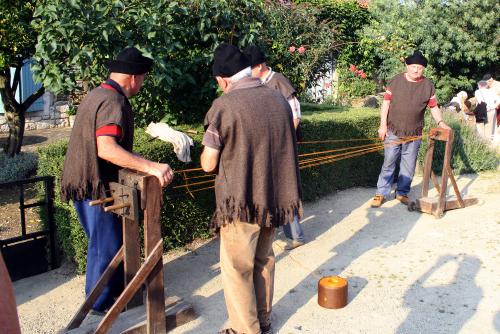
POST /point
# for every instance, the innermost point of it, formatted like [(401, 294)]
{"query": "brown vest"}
[(258, 175), (85, 175), (408, 104)]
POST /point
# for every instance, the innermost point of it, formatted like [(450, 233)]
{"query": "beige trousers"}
[(247, 267)]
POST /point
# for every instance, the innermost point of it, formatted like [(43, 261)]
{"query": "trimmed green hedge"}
[(321, 123), (185, 218)]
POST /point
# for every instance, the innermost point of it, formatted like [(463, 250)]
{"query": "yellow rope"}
[(354, 151), (337, 150), (192, 184), (336, 141)]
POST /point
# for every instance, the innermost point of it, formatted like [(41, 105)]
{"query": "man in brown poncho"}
[(100, 144), (293, 231), (250, 143)]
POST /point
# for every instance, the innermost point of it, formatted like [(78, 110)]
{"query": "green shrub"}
[(18, 167), (323, 122), (353, 83), (181, 36), (470, 153), (297, 44), (184, 218)]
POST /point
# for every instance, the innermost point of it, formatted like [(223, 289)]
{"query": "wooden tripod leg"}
[(144, 272), (444, 178), (455, 187), (427, 168), (96, 291)]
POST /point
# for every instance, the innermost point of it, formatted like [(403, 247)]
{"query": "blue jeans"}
[(407, 153), (293, 230), (104, 233)]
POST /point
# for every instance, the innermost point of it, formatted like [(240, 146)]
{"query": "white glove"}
[(180, 140)]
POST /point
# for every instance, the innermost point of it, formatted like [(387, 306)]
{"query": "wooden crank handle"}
[(116, 207), (101, 201)]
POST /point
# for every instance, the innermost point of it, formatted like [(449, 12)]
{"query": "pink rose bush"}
[(300, 50), (360, 73), (354, 83)]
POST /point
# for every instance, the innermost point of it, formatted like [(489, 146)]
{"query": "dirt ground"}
[(10, 221), (10, 218), (36, 138), (408, 272)]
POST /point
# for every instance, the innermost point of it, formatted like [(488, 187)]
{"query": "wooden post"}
[(444, 177), (135, 190), (427, 167), (132, 259), (155, 302)]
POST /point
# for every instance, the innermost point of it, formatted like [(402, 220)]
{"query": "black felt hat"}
[(130, 61), (228, 60), (416, 58), (255, 54), (487, 77)]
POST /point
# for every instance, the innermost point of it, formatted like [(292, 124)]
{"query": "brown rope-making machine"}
[(437, 205), (133, 193)]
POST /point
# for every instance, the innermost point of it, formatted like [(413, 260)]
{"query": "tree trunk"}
[(15, 120), (15, 112)]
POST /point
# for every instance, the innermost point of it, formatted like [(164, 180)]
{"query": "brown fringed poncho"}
[(84, 174), (258, 175)]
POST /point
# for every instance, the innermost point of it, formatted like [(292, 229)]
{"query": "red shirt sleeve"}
[(432, 102), (388, 95), (112, 130)]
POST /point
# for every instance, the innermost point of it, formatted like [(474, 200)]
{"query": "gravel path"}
[(408, 272), (36, 138)]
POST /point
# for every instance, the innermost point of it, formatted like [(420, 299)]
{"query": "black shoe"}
[(97, 313), (228, 331), (266, 330)]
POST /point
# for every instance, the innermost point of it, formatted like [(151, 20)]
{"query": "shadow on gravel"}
[(27, 289), (387, 226), (451, 304), (496, 321), (206, 259)]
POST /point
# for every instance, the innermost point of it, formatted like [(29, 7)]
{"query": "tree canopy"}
[(460, 39), (76, 39)]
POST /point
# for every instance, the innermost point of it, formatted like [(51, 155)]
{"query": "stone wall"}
[(53, 115)]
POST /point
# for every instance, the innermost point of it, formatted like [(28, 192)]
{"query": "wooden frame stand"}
[(134, 191), (437, 205)]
